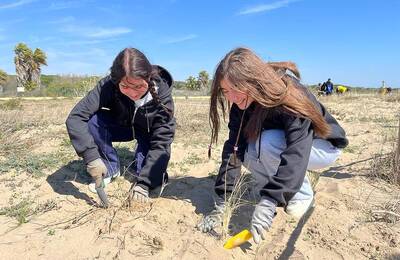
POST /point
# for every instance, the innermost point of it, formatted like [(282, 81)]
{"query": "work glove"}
[(262, 219), (139, 194), (97, 169), (214, 218)]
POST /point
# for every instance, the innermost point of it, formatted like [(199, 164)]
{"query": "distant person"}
[(328, 87), (320, 89), (341, 89), (133, 102), (385, 89), (277, 130)]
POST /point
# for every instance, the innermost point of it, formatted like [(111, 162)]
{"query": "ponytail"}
[(156, 98)]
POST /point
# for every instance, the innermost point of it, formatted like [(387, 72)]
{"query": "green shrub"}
[(12, 104)]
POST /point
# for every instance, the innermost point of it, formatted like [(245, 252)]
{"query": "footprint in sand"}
[(328, 187)]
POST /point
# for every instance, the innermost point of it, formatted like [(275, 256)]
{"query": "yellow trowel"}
[(238, 239)]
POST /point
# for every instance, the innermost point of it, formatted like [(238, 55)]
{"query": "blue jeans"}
[(105, 131), (273, 143)]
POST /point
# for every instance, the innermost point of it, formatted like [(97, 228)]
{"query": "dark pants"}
[(105, 131)]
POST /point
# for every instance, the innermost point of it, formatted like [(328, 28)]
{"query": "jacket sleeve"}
[(230, 168), (77, 124), (162, 135), (294, 161)]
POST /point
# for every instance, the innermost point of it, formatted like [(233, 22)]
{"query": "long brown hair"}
[(268, 84)]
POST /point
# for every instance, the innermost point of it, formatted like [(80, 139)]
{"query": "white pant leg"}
[(273, 143), (323, 154)]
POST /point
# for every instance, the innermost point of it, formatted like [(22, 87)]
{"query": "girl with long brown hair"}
[(133, 102), (277, 130)]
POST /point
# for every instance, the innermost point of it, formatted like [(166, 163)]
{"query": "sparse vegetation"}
[(20, 211), (23, 210), (34, 143), (32, 164), (3, 77), (234, 201), (12, 104), (387, 166)]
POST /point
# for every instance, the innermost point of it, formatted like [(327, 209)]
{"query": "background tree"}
[(38, 59), (22, 62), (203, 80), (192, 83), (3, 77), (27, 66)]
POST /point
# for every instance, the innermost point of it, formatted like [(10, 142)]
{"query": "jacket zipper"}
[(147, 119), (133, 120)]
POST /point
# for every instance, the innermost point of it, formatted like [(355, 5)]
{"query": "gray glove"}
[(97, 169), (262, 219), (140, 194), (214, 219)]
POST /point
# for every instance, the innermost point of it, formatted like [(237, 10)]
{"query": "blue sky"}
[(353, 42)]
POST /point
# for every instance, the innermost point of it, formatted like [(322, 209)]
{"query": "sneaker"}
[(159, 190), (298, 208), (106, 181)]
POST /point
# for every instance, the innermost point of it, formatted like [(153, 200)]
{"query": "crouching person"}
[(277, 130), (133, 102)]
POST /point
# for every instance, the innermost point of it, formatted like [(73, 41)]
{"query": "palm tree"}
[(27, 66), (203, 79), (39, 58), (22, 62)]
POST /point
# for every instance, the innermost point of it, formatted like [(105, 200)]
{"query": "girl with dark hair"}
[(277, 130), (133, 102)]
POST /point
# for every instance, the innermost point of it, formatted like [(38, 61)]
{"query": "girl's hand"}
[(97, 169), (262, 219), (214, 218)]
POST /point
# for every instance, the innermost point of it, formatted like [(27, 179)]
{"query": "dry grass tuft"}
[(387, 166), (388, 212), (234, 201)]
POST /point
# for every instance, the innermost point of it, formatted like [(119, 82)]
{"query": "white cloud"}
[(94, 52), (181, 38), (16, 4), (266, 7), (66, 19), (85, 42), (60, 5), (96, 32), (108, 32)]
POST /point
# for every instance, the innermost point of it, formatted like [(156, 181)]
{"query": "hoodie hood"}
[(164, 74), (164, 82)]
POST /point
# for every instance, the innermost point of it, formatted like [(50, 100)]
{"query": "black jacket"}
[(294, 160), (150, 121)]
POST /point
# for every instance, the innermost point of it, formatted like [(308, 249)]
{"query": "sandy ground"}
[(67, 224)]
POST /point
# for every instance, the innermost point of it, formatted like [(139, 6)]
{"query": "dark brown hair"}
[(133, 63), (268, 84)]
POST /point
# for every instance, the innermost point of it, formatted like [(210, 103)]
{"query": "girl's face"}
[(240, 98), (134, 88)]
